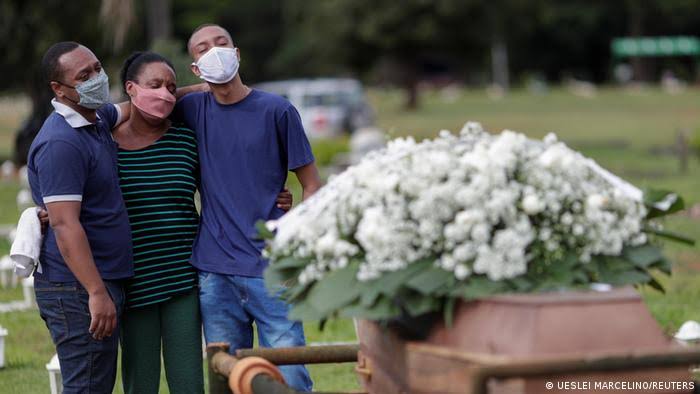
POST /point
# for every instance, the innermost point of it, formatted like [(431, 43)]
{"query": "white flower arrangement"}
[(418, 225)]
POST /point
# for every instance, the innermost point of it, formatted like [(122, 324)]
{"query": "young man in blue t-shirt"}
[(248, 140), (87, 248)]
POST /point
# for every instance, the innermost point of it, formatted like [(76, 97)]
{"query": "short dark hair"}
[(50, 66), (133, 65), (200, 27)]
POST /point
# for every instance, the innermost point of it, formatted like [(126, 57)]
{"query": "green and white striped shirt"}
[(158, 183)]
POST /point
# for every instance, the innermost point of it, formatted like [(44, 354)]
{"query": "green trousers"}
[(176, 324)]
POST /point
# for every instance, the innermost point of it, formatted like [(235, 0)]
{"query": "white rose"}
[(532, 205), (461, 271), (447, 262), (271, 225), (551, 139), (481, 233), (567, 219), (596, 201)]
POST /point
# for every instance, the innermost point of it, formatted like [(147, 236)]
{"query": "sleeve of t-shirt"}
[(110, 113), (62, 170), (294, 140), (185, 110)]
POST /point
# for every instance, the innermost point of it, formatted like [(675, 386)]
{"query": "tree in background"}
[(383, 41), (27, 29), (397, 37)]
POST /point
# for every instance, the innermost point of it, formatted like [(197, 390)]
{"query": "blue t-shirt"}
[(245, 151), (80, 164)]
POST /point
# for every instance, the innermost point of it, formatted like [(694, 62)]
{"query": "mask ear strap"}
[(66, 97), (71, 100), (64, 84)]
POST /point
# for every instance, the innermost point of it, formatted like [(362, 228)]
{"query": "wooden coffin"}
[(574, 327)]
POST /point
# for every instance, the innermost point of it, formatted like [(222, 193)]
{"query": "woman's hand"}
[(285, 200), (43, 215)]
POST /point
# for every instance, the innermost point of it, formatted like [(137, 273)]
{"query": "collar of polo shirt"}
[(71, 116)]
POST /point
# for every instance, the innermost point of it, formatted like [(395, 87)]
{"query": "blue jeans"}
[(230, 304), (87, 365)]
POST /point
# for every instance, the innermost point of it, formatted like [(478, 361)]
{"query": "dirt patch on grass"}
[(693, 212), (686, 261)]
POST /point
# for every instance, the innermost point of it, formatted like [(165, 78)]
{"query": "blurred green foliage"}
[(174, 52), (326, 149)]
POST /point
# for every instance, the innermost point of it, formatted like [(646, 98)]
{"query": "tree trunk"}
[(500, 73), (635, 29), (160, 26), (409, 82), (499, 63), (411, 95), (40, 96)]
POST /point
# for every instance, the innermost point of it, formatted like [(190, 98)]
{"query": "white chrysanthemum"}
[(468, 202)]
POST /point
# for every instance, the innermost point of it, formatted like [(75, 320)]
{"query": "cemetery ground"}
[(630, 132)]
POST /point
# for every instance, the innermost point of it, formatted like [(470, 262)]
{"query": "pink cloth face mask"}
[(158, 103)]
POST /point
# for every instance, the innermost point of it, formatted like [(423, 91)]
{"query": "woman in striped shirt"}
[(159, 174)]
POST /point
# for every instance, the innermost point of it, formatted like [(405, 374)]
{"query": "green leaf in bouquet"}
[(562, 271), (670, 236), (654, 284), (430, 280), (390, 282), (263, 232), (448, 312), (618, 271), (275, 277), (592, 268), (337, 289), (580, 276), (303, 311), (369, 295), (643, 256), (416, 304), (284, 273), (296, 291), (383, 309), (630, 277), (521, 284), (479, 287), (556, 274), (664, 265), (662, 203), (290, 262)]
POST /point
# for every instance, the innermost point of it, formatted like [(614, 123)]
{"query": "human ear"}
[(129, 87), (56, 89), (195, 69)]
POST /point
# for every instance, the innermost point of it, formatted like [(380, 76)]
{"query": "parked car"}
[(328, 106)]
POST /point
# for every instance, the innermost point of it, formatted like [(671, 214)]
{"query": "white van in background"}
[(328, 107)]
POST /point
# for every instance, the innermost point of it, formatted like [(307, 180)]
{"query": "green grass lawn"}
[(28, 349), (627, 132)]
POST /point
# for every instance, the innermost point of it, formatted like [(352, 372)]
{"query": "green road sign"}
[(655, 46)]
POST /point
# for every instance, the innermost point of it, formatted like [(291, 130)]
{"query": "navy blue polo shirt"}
[(72, 159), (245, 152)]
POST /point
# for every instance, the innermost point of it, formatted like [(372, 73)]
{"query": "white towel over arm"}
[(26, 247)]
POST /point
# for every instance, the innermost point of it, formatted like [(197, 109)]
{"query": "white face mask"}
[(219, 65)]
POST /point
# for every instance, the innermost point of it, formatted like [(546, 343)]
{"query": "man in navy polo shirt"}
[(87, 249), (248, 140)]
